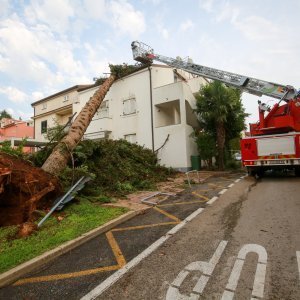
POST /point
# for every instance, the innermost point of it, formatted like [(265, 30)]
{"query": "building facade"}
[(16, 130), (53, 110), (152, 107)]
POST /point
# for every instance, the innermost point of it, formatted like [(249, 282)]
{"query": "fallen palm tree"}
[(61, 154)]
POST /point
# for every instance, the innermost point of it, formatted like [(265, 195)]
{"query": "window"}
[(66, 98), (131, 138), (44, 126), (44, 105), (129, 106), (103, 111)]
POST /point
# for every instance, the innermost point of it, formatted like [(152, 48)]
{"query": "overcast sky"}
[(50, 45)]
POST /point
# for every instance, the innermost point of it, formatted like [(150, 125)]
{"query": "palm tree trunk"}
[(220, 143), (60, 155)]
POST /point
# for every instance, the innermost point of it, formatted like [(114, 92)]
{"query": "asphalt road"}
[(245, 246), (74, 274)]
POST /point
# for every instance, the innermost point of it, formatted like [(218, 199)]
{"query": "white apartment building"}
[(53, 110), (152, 107)]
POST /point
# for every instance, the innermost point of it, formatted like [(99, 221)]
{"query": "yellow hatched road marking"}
[(143, 226), (116, 249), (201, 196), (181, 203), (215, 185), (207, 190), (167, 214), (225, 178), (66, 275), (114, 246)]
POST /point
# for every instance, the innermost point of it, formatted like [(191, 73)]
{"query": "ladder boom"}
[(145, 54)]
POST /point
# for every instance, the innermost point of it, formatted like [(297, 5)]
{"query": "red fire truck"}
[(274, 141)]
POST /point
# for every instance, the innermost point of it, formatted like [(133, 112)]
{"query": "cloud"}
[(10, 111), (206, 5), (19, 113), (5, 7), (258, 29), (96, 65), (54, 13), (37, 96), (228, 12), (14, 94), (253, 27), (19, 49), (164, 32), (154, 2), (126, 19), (43, 58), (159, 22), (186, 25), (95, 9), (35, 49)]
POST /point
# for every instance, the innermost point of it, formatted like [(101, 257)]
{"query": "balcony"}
[(166, 93), (167, 114)]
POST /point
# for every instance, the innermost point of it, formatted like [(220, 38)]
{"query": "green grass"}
[(78, 219)]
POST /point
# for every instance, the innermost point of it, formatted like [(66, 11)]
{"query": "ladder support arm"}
[(145, 54)]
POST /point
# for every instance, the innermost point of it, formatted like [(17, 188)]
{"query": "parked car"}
[(237, 156)]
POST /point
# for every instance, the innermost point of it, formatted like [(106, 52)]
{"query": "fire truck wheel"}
[(251, 172), (261, 172), (297, 171)]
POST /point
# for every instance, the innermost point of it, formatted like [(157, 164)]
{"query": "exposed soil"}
[(25, 189), (26, 229)]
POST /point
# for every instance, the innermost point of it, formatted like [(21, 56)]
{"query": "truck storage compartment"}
[(276, 146)]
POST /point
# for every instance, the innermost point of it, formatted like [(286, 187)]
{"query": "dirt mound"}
[(23, 189)]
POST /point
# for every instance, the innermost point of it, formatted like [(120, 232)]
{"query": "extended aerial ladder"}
[(145, 54)]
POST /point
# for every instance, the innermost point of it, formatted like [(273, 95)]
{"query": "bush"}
[(233, 164), (16, 151), (117, 167)]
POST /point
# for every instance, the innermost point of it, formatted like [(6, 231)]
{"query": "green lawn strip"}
[(78, 219)]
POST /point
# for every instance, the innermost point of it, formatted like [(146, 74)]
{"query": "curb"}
[(17, 272)]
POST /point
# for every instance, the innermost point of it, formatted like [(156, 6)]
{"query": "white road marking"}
[(223, 191), (176, 228), (227, 295), (298, 259), (200, 285), (231, 185), (206, 268), (259, 279), (235, 275), (237, 180), (180, 278), (212, 200), (194, 214)]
